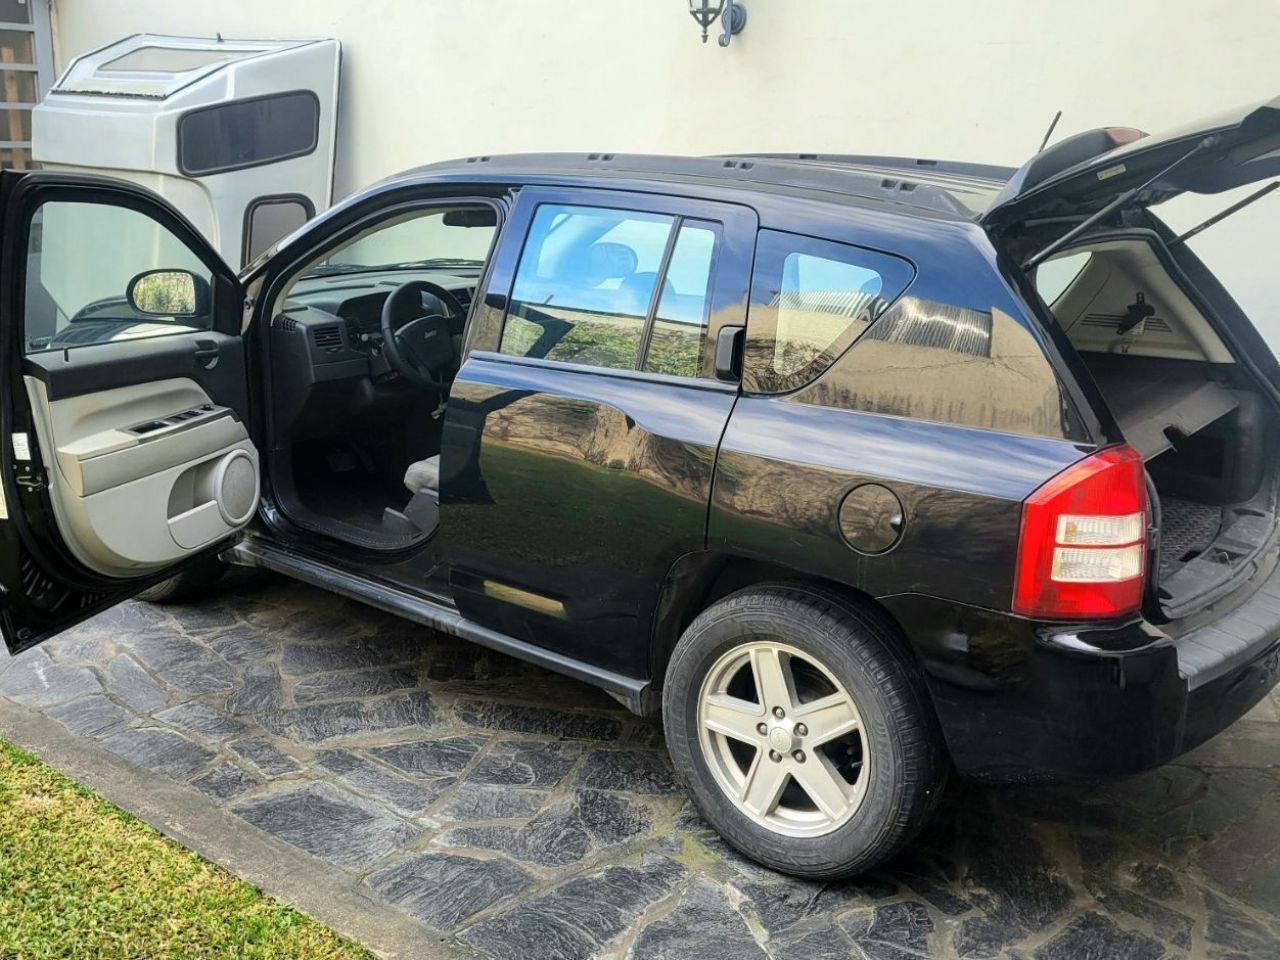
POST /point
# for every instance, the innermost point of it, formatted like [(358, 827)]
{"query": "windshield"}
[(451, 239), (1240, 250)]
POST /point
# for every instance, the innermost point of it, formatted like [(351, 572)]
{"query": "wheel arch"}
[(697, 580)]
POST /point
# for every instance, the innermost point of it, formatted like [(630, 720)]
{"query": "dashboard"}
[(337, 320), (328, 370)]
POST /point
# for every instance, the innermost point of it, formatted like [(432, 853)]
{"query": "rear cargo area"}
[(1208, 439), (1205, 428)]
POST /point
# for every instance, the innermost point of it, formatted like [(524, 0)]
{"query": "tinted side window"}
[(810, 299), (82, 259), (585, 284), (615, 288), (246, 133)]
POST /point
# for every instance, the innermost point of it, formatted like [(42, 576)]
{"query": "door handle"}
[(207, 353), (729, 352)]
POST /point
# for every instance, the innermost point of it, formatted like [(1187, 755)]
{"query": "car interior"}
[(1181, 399), (363, 345), (358, 356)]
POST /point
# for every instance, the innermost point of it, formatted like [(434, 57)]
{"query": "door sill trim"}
[(257, 552)]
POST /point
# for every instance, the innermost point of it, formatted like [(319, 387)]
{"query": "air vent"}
[(282, 321), (328, 337), (1112, 322)]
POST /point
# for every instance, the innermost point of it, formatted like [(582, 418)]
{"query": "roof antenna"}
[(1053, 125), (219, 36)]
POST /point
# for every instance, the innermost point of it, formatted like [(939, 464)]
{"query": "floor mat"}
[(354, 498), (1186, 527)]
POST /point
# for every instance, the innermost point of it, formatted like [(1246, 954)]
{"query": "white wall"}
[(431, 79), (427, 80)]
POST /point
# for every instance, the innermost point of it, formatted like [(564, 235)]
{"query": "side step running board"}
[(254, 552)]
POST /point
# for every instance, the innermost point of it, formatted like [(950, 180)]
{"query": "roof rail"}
[(957, 168), (927, 189)]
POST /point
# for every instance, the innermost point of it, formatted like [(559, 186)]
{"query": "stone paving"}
[(514, 813)]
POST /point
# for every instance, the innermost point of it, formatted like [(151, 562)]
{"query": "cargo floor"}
[(1186, 528)]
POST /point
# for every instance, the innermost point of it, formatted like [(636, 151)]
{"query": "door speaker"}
[(233, 483)]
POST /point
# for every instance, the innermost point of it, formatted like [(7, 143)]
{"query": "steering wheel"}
[(421, 349)]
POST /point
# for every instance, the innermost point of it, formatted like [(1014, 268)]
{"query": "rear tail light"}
[(1082, 550)]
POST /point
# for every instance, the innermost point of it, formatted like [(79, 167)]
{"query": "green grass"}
[(80, 878)]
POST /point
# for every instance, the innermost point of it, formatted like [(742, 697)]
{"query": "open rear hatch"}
[(1177, 365), (1122, 166)]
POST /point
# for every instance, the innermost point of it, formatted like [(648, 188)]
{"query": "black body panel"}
[(959, 489), (568, 491), (1025, 702), (1021, 701), (567, 495), (1084, 173)]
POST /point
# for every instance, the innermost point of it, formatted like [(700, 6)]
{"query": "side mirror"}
[(169, 293)]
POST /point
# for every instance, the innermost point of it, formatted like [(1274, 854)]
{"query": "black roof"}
[(956, 189)]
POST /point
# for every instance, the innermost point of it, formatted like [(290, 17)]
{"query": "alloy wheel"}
[(783, 738)]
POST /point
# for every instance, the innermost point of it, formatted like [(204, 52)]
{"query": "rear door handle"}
[(729, 353)]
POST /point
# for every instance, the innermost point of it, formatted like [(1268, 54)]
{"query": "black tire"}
[(190, 585), (860, 649)]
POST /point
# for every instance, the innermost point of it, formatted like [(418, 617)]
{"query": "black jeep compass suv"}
[(857, 469)]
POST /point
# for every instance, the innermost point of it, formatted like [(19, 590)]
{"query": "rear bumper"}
[(1231, 663), (1021, 701)]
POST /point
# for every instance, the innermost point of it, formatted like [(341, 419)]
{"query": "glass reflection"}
[(944, 364), (584, 285), (810, 299)]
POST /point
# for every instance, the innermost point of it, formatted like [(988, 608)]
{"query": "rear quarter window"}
[(835, 325), (811, 299), (1055, 276), (942, 363)]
